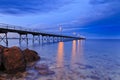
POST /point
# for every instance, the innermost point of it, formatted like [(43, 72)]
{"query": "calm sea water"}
[(77, 60)]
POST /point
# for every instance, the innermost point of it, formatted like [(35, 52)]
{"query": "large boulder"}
[(13, 60), (1, 57), (30, 55)]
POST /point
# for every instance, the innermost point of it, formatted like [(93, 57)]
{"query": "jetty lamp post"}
[(60, 28), (74, 33)]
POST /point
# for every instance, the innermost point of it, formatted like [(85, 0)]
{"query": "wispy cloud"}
[(30, 6), (101, 1)]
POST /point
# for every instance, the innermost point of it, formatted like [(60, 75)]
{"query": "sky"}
[(86, 18)]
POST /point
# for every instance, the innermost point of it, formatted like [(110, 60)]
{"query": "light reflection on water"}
[(80, 55), (60, 54), (74, 50), (60, 60), (77, 55)]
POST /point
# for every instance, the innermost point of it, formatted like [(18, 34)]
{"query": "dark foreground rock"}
[(13, 60), (30, 55), (1, 57)]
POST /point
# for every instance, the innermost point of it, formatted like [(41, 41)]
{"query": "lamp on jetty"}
[(74, 33), (60, 28)]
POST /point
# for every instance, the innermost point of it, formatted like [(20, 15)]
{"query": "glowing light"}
[(74, 33), (60, 28)]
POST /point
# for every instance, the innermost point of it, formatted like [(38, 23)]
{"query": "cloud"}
[(96, 2), (30, 6)]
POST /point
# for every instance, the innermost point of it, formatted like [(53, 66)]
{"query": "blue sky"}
[(89, 18)]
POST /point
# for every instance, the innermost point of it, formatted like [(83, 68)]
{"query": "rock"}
[(1, 48), (13, 60), (46, 72), (18, 75), (2, 78), (43, 69), (1, 57), (43, 72), (30, 55)]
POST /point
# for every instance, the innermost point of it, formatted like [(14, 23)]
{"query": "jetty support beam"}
[(4, 37), (36, 38), (23, 37)]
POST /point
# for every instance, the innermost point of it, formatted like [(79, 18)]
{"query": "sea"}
[(90, 59)]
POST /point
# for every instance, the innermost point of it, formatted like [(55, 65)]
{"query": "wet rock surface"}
[(30, 55), (14, 60), (1, 57)]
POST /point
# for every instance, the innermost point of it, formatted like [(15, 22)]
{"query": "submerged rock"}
[(43, 69), (30, 55), (13, 60)]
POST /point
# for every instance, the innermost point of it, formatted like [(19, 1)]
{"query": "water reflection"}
[(80, 55), (60, 54), (73, 57), (77, 52), (60, 60)]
